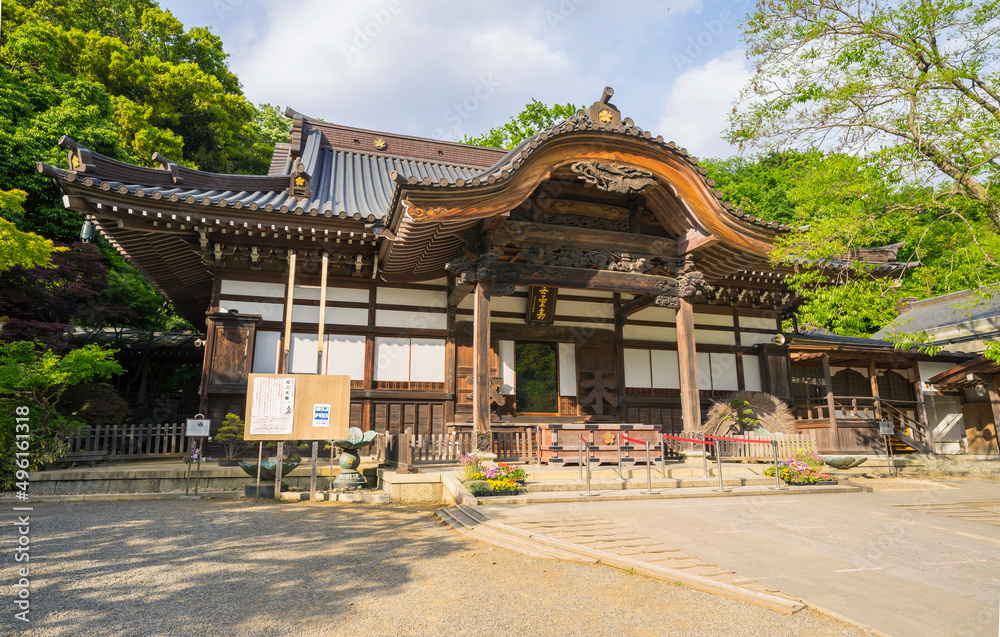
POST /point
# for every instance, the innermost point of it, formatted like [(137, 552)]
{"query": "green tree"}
[(913, 84), (535, 118), (21, 249), (124, 78), (33, 379)]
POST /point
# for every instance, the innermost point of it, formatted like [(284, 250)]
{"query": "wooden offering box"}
[(561, 442)]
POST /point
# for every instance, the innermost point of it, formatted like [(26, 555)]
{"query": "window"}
[(808, 384), (651, 369), (402, 359)]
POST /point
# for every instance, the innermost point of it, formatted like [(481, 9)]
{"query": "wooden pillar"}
[(874, 382), (830, 403), (481, 369), (322, 315), (994, 393), (450, 371), (687, 362), (620, 359), (289, 297)]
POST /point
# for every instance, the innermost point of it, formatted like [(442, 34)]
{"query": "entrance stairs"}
[(674, 480)]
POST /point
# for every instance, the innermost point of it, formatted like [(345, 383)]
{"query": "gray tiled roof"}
[(344, 184), (942, 311)]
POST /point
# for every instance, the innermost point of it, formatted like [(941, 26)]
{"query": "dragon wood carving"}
[(627, 180)]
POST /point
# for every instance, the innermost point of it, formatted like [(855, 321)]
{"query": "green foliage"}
[(32, 377), (911, 84), (96, 403), (124, 78), (477, 487), (838, 204), (762, 187), (535, 118), (21, 249), (230, 436)]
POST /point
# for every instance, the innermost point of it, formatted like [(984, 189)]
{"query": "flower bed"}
[(803, 469), (495, 479)]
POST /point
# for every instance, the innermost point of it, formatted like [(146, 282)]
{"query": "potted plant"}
[(230, 436)]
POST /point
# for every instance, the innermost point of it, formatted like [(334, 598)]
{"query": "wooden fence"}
[(121, 442), (788, 444), (406, 449)]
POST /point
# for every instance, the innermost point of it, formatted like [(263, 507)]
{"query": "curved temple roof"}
[(179, 225)]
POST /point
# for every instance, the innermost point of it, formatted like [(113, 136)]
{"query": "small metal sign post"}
[(197, 427), (886, 429)]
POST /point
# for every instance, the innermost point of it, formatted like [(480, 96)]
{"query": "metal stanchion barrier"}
[(579, 473), (704, 458), (649, 468), (538, 440), (583, 442), (718, 453), (777, 481), (663, 458), (618, 439)]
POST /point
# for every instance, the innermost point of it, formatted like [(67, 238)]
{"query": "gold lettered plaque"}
[(541, 305)]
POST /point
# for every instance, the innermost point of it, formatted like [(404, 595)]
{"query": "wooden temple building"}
[(591, 274)]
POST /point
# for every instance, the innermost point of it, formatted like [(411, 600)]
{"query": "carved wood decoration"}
[(484, 269), (600, 391), (689, 284), (496, 398), (626, 180)]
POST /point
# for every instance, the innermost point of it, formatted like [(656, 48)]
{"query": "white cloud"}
[(699, 103), (429, 66)]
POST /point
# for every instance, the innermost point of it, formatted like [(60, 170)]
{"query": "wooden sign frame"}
[(541, 305), (310, 390)]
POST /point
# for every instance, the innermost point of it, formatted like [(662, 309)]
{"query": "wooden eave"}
[(427, 217), (979, 369)]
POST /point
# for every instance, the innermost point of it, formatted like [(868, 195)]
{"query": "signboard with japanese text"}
[(297, 407), (541, 305)]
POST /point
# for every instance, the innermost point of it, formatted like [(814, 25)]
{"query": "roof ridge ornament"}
[(603, 112), (299, 180), (170, 166), (78, 157)]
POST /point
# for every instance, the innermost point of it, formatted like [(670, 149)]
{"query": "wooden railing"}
[(406, 448), (787, 446), (119, 442)]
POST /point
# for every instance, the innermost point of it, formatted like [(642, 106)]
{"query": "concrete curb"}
[(202, 495), (671, 494)]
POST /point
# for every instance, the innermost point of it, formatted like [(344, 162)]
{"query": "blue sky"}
[(443, 69)]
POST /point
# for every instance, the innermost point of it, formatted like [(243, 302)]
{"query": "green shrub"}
[(476, 487)]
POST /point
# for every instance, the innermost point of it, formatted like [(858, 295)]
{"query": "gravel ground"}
[(219, 567)]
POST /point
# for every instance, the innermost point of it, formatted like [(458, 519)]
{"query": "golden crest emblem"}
[(609, 438)]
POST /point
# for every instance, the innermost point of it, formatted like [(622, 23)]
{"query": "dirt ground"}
[(220, 567)]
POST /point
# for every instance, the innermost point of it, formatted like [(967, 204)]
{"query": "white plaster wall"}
[(713, 319), (411, 320), (415, 298), (265, 352), (567, 369), (252, 288), (751, 373), (650, 333)]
